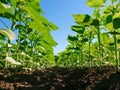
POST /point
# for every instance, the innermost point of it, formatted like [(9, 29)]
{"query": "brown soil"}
[(58, 78)]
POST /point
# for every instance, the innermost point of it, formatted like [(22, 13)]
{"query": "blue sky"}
[(60, 13)]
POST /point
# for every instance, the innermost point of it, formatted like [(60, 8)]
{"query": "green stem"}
[(117, 64), (18, 43), (89, 58), (99, 47)]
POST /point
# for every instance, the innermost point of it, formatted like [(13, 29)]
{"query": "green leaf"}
[(78, 29), (84, 40), (7, 32), (72, 38), (113, 1), (40, 48), (108, 22), (45, 32), (95, 22), (104, 37), (35, 5), (107, 11), (111, 44), (95, 3), (49, 49), (116, 23), (49, 39), (96, 13), (4, 8), (83, 19), (118, 40), (2, 37), (114, 33), (39, 24), (14, 3)]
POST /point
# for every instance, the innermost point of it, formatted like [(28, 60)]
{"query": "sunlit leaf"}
[(108, 22), (9, 33), (4, 8), (107, 11), (35, 5), (95, 3), (6, 5), (45, 32), (104, 37), (49, 50), (14, 3), (12, 61), (78, 29), (40, 48), (83, 19)]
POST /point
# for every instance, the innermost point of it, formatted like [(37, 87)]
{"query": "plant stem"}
[(89, 58), (117, 64), (99, 47)]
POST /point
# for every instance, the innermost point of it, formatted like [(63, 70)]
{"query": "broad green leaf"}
[(111, 44), (83, 19), (39, 24), (116, 21), (4, 8), (14, 3), (72, 38), (2, 37), (107, 11), (104, 37), (108, 22), (95, 22), (40, 48), (36, 17), (49, 49), (35, 5), (9, 33), (78, 29), (118, 40), (2, 44), (116, 15), (84, 39), (95, 3), (50, 25), (49, 39), (45, 32), (114, 33), (113, 1)]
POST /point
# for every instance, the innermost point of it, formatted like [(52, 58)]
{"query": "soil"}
[(59, 78)]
